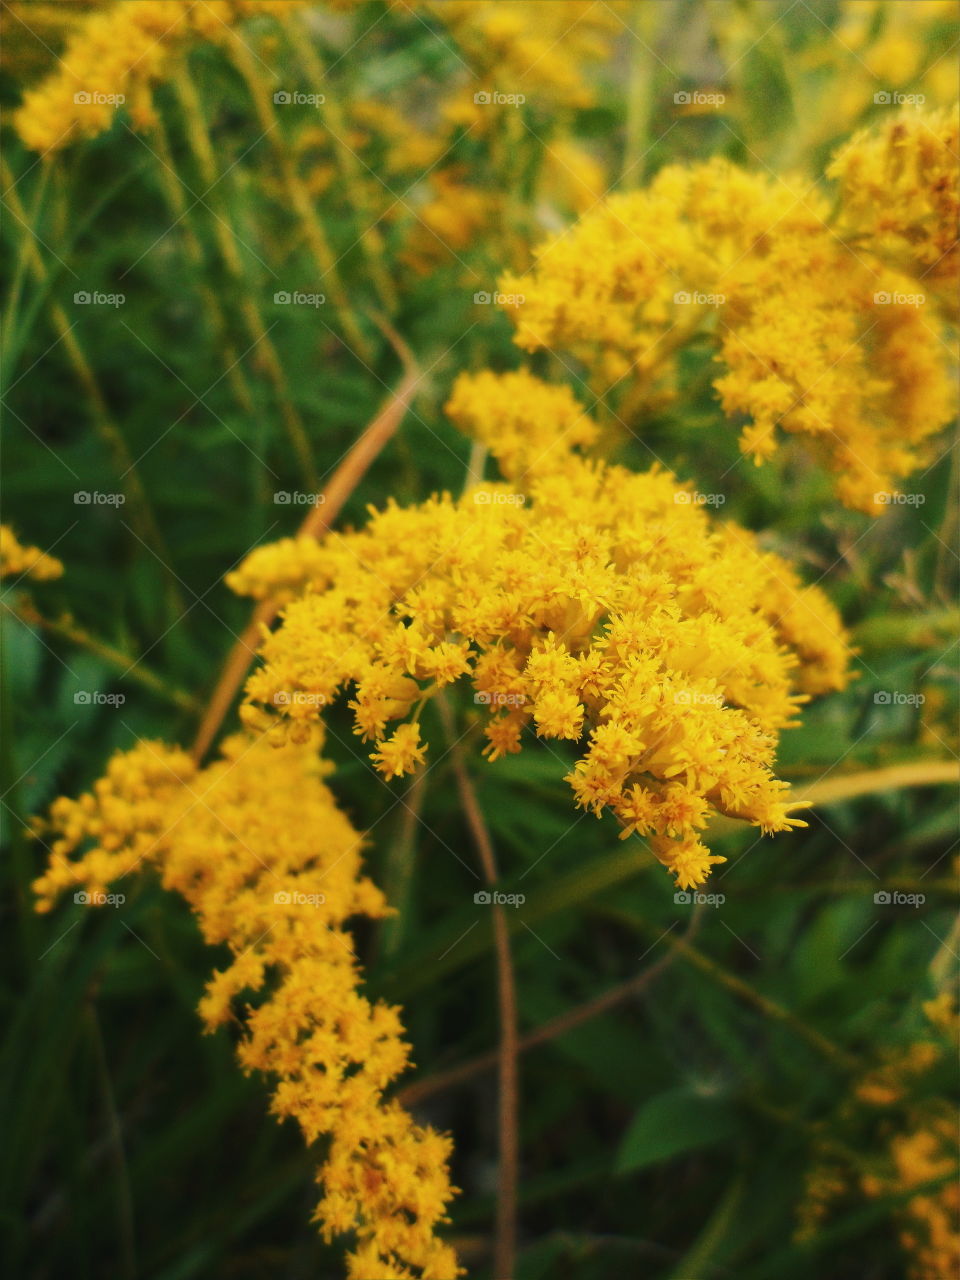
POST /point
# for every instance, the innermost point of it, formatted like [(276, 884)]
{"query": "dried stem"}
[(547, 1031), (505, 1245), (345, 479)]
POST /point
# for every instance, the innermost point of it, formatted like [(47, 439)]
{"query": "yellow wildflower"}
[(524, 420), (30, 562), (540, 51), (919, 1148), (900, 195), (823, 332), (583, 603), (116, 55), (271, 867)]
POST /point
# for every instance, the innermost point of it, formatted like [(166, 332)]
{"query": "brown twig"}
[(505, 1244), (547, 1031), (344, 480)]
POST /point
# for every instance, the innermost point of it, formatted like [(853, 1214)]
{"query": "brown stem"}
[(547, 1031), (505, 1245), (322, 515)]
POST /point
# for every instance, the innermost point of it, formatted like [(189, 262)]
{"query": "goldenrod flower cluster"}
[(126, 48), (542, 54), (119, 54), (583, 603), (822, 337), (895, 45), (20, 561), (271, 867), (35, 32), (920, 1141), (540, 51), (900, 196)]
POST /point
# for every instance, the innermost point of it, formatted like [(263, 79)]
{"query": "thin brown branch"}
[(505, 1244), (547, 1031), (344, 480)]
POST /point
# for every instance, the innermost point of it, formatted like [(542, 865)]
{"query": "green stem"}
[(200, 144), (131, 668), (640, 92)]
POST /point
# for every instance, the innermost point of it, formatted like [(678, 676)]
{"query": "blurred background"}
[(207, 298)]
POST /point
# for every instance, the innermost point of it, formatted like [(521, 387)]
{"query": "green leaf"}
[(673, 1122)]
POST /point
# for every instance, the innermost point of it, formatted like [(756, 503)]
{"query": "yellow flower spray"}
[(829, 324), (19, 561), (257, 846), (583, 603)]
